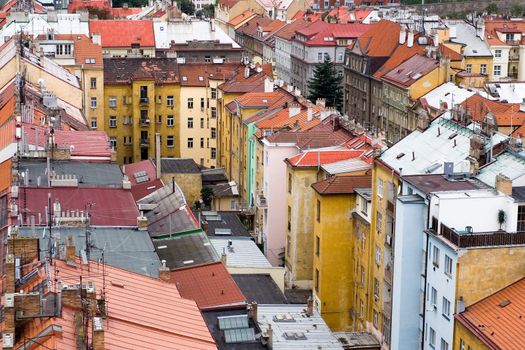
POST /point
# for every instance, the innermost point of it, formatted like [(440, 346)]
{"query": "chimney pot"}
[(164, 272), (504, 184), (254, 311)]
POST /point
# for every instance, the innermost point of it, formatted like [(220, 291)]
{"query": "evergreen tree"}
[(326, 84)]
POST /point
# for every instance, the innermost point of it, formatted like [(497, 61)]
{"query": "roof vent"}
[(504, 303)]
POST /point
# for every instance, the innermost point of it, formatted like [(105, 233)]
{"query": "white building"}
[(505, 39)]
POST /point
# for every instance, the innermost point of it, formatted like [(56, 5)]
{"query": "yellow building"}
[(148, 96), (185, 173), (335, 262)]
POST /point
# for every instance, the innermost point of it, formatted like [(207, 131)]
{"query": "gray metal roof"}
[(88, 174), (260, 288), (243, 252), (126, 248), (186, 250), (179, 166), (466, 34)]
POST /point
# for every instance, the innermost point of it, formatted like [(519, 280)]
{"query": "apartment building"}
[(283, 49), (252, 35), (505, 40)]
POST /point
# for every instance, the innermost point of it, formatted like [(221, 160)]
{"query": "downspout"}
[(425, 276)]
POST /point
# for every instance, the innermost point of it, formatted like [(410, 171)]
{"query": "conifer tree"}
[(326, 84)]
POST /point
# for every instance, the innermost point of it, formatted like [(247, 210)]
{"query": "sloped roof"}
[(448, 52), (342, 184), (299, 121), (246, 15), (506, 114), (123, 33), (318, 158), (179, 166), (411, 70), (502, 25), (496, 320), (144, 188), (263, 99), (381, 39), (401, 54), (288, 31), (210, 285), (329, 34)]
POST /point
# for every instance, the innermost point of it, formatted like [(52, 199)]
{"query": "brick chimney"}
[(269, 332), (254, 311), (504, 184), (25, 248), (70, 249), (98, 333), (164, 272), (9, 273), (294, 109), (142, 222), (224, 257), (310, 307), (320, 102)]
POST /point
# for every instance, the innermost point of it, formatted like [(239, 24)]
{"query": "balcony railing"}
[(144, 100), (512, 42), (144, 142), (480, 239), (144, 122)]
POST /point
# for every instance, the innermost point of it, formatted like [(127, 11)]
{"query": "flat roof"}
[(260, 288), (512, 92), (225, 220), (88, 174), (126, 248), (243, 252), (436, 182), (316, 333), (186, 250), (357, 340), (508, 164)]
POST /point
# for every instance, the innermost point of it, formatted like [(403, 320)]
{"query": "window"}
[(378, 255), (320, 56), (432, 337), (170, 141), (469, 68), (207, 58), (317, 280), (435, 256), (376, 289), (113, 122), (202, 103), (461, 344), (93, 102), (521, 218), (214, 112), (497, 53), (112, 101), (213, 153), (288, 244), (113, 142), (190, 142), (213, 93), (317, 245), (190, 103), (380, 187), (433, 297), (93, 123), (448, 265), (93, 83), (289, 218), (289, 183), (497, 70), (143, 94), (444, 344), (190, 122), (361, 308), (376, 319), (446, 308), (169, 120), (386, 329), (340, 57), (202, 142), (213, 133), (483, 69), (318, 211), (202, 123), (169, 101), (379, 222)]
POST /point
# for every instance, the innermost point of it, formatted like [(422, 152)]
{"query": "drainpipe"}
[(425, 275)]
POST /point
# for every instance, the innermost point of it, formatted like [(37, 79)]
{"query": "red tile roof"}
[(492, 26), (497, 320), (381, 39), (255, 81), (282, 120), (342, 184), (506, 114), (267, 25), (263, 99), (90, 145), (143, 312), (331, 32), (411, 70), (288, 31), (246, 15), (110, 206), (120, 12), (84, 48), (448, 52), (211, 286), (401, 54), (82, 4), (318, 158), (123, 33)]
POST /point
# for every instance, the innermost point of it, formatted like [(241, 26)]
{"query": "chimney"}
[(224, 257), (402, 35), (70, 248), (157, 154), (310, 307), (410, 38), (142, 222), (320, 102), (522, 105), (294, 109), (268, 85), (436, 39), (95, 38), (480, 29), (254, 311), (504, 184), (460, 305), (269, 333), (98, 333), (246, 72), (126, 184), (310, 113), (9, 273), (164, 272)]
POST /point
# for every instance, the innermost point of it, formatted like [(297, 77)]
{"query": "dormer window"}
[(63, 49)]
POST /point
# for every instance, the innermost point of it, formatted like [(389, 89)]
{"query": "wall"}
[(125, 51), (190, 185), (470, 340), (335, 260), (277, 273)]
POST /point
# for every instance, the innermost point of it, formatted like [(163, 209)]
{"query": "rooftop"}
[(435, 183), (512, 92), (321, 157), (411, 70), (401, 54), (450, 94), (496, 319), (123, 33), (87, 54), (185, 250), (213, 176), (357, 340), (260, 288), (210, 285), (466, 35), (89, 174), (227, 189), (345, 166), (245, 16), (510, 164), (242, 252), (125, 248), (381, 39), (179, 166), (143, 178), (224, 223), (342, 184), (312, 331), (506, 114), (492, 26)]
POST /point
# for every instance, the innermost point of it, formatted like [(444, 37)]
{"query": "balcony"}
[(468, 239), (144, 101), (144, 143), (514, 56), (144, 122), (512, 42), (261, 201)]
